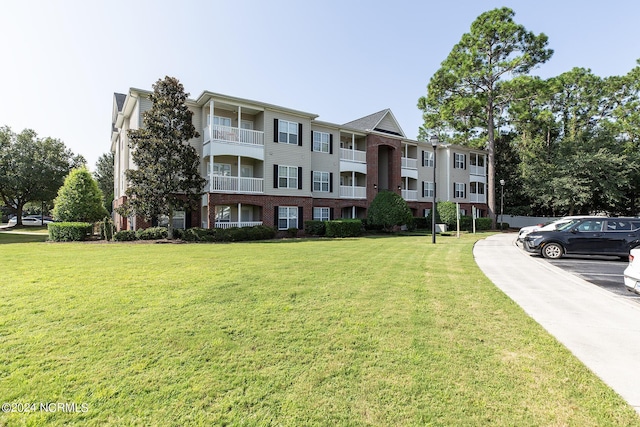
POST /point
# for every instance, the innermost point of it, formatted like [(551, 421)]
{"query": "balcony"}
[(353, 192), (233, 135), (477, 198), (409, 163), (477, 170), (353, 155), (410, 194), (234, 184), (225, 224)]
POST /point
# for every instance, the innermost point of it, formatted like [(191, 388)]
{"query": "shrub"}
[(125, 236), (388, 209), (314, 228), (448, 212), (422, 222), (69, 231), (261, 232), (197, 234), (483, 224), (79, 199), (344, 228), (106, 229), (152, 233), (292, 232)]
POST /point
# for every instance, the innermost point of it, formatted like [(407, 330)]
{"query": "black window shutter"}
[(454, 160), (275, 130), (331, 214), (300, 134), (275, 176), (330, 182), (276, 216), (423, 187), (299, 177), (465, 190), (454, 190), (330, 143), (423, 164), (311, 140), (465, 161), (300, 218), (311, 181)]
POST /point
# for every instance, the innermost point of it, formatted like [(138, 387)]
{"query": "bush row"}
[(69, 231), (196, 234), (334, 228)]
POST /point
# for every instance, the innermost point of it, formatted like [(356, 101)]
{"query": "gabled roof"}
[(382, 121)]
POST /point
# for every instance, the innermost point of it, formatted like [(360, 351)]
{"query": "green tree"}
[(79, 199), (104, 176), (387, 210), (31, 168), (466, 95), (167, 177)]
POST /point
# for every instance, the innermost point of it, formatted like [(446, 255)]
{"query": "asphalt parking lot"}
[(605, 272)]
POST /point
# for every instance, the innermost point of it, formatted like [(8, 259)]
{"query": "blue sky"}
[(63, 60)]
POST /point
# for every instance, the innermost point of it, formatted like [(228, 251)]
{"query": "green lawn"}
[(355, 332)]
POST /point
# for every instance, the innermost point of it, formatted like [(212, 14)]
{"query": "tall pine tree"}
[(167, 177)]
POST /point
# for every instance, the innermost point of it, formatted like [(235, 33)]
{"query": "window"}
[(178, 220), (287, 132), (321, 214), (321, 142), (426, 212), (222, 169), (287, 217), (459, 161), (427, 159), (223, 213), (458, 190), (427, 189), (476, 188), (321, 181), (476, 159), (287, 177)]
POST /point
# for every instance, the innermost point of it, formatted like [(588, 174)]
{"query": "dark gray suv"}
[(587, 236)]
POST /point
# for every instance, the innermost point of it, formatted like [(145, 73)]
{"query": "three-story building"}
[(271, 165)]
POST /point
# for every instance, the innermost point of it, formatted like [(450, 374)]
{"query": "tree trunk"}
[(491, 167)]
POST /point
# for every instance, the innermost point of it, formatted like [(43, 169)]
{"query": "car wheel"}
[(552, 251)]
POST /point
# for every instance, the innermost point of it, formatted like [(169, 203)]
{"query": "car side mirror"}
[(574, 230)]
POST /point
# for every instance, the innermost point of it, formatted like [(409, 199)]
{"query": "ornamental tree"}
[(79, 199), (167, 175), (387, 210), (467, 94)]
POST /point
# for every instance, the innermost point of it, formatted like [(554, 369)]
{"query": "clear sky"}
[(62, 60)]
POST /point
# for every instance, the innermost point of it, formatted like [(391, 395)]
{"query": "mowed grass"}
[(388, 331)]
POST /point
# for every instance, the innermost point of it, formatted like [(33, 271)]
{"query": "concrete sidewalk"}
[(599, 328)]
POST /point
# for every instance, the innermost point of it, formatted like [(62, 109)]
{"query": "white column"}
[(211, 172), (239, 213), (211, 120)]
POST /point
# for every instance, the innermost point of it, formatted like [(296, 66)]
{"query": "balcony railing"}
[(477, 198), (352, 192), (477, 170), (234, 184), (239, 224), (234, 135), (409, 163), (353, 155), (410, 194)]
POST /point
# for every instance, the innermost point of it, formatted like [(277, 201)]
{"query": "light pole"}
[(501, 201), (434, 143)]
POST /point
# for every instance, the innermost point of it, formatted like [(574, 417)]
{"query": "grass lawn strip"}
[(370, 331)]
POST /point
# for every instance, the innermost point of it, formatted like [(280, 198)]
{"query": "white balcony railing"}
[(352, 192), (233, 135), (410, 194), (477, 170), (234, 184), (224, 224), (409, 163), (353, 155), (477, 198)]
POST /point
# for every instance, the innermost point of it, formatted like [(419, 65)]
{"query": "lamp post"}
[(501, 201), (434, 143)]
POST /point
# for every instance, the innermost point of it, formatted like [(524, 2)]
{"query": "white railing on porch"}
[(237, 184), (410, 194), (477, 170), (409, 163), (352, 192), (477, 198), (353, 155), (237, 224), (234, 135)]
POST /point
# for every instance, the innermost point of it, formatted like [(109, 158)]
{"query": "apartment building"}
[(272, 165)]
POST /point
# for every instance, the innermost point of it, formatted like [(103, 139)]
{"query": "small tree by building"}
[(388, 210), (79, 199)]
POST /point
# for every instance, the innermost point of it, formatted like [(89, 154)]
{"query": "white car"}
[(34, 220), (632, 272), (549, 226)]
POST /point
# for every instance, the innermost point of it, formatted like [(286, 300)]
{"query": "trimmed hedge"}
[(315, 228), (69, 231), (125, 236), (153, 233), (344, 228), (483, 224), (233, 234)]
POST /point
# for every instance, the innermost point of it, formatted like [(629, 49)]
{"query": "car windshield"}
[(568, 225)]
